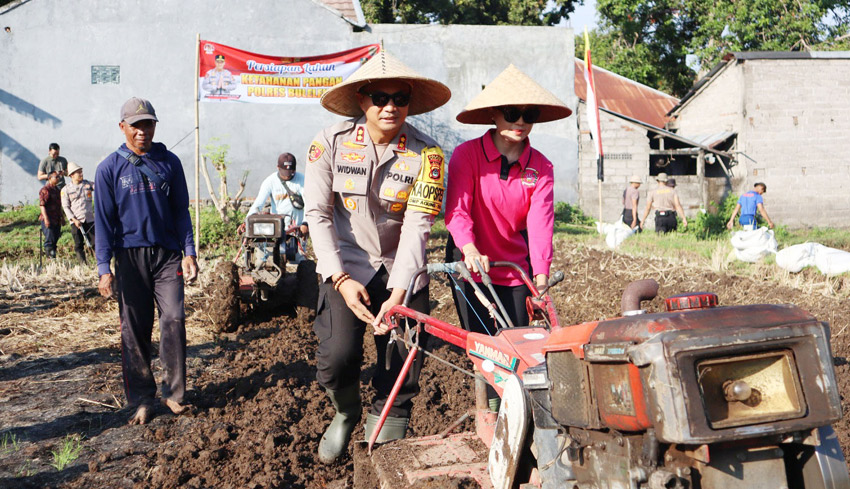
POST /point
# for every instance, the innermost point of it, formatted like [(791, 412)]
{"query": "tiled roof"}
[(627, 97), (348, 8)]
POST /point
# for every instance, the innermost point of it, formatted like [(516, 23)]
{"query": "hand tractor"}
[(268, 248), (696, 397)]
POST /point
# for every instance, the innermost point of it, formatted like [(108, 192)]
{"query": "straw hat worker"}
[(499, 201), (374, 184)]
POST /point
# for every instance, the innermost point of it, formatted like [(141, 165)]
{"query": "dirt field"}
[(258, 411)]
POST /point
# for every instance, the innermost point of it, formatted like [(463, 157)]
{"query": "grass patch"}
[(8, 444), (26, 470), (67, 452)]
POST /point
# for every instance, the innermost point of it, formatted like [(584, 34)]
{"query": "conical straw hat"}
[(513, 87), (425, 95)]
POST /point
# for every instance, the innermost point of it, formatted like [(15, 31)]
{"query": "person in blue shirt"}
[(142, 220), (748, 204), (285, 187)]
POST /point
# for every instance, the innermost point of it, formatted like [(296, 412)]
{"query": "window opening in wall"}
[(105, 74), (674, 157)]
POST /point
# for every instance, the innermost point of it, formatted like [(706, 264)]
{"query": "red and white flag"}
[(593, 109)]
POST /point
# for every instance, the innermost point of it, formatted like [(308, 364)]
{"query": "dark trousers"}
[(148, 277), (666, 222), (79, 242), (472, 314), (340, 352), (51, 237), (627, 217)]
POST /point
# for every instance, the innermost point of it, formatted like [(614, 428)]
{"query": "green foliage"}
[(571, 214), (217, 152), (474, 12), (20, 229), (216, 233), (712, 223), (648, 40), (26, 470), (8, 443), (68, 451)]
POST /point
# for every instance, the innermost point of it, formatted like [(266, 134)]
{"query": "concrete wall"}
[(626, 147), (46, 93), (790, 115)]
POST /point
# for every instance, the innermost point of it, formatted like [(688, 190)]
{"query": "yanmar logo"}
[(501, 359)]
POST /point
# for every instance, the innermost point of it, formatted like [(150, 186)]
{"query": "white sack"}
[(615, 233), (750, 246), (797, 257), (831, 261)]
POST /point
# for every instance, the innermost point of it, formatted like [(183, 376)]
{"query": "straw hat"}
[(426, 94), (634, 179), (513, 87), (73, 167), (661, 177)]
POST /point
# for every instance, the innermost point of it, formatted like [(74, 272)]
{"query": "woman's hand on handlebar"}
[(471, 255)]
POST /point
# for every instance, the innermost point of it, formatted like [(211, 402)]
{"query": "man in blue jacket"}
[(142, 220)]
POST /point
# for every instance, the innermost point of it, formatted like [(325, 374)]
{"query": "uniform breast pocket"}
[(395, 190)]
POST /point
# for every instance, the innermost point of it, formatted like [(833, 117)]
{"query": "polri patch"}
[(315, 152)]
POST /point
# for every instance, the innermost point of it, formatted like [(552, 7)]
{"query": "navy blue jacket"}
[(130, 212)]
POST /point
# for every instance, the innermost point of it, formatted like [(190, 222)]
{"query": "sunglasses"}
[(512, 114), (380, 99)]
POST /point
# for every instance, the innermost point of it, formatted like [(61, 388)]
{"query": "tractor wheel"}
[(223, 308)]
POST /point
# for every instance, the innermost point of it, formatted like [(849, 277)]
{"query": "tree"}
[(476, 12), (218, 156), (650, 40)]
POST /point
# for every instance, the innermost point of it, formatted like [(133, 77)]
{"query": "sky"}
[(584, 15)]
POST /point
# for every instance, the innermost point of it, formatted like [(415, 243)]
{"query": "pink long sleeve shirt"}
[(495, 214)]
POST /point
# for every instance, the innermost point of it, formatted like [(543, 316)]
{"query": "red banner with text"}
[(232, 75)]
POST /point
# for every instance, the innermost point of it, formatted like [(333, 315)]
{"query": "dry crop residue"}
[(259, 412)]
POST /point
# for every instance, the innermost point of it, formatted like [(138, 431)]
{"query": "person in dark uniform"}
[(142, 219), (665, 201), (374, 185)]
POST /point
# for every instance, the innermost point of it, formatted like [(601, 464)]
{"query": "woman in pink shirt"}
[(499, 202)]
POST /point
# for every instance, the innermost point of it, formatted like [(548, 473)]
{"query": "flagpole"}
[(197, 145)]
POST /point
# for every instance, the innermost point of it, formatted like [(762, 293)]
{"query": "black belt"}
[(665, 213)]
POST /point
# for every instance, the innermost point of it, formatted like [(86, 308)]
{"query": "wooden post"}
[(197, 145)]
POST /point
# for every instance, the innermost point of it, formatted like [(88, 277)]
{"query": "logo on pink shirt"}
[(529, 177)]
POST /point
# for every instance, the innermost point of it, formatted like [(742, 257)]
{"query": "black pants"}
[(665, 221), (472, 314), (340, 352), (148, 276), (79, 242), (51, 237), (627, 217)]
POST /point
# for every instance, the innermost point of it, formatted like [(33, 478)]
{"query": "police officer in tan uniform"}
[(374, 184), (665, 201)]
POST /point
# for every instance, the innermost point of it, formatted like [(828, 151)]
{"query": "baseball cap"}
[(137, 109), (671, 182), (661, 177), (286, 162)]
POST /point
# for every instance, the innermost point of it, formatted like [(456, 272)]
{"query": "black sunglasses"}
[(513, 113), (380, 99)]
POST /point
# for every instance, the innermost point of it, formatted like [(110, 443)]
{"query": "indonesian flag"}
[(593, 109)]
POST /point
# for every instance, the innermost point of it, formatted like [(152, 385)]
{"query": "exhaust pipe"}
[(637, 291)]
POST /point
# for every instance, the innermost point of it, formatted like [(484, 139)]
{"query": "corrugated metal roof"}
[(627, 97), (712, 140), (349, 9)]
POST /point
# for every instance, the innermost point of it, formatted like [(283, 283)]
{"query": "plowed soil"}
[(258, 412)]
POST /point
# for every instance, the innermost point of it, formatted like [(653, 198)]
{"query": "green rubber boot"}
[(393, 429), (336, 436)]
